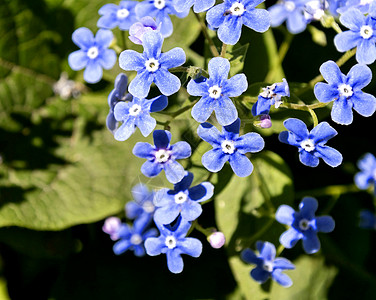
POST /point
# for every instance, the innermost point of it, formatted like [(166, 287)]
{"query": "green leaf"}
[(236, 55)]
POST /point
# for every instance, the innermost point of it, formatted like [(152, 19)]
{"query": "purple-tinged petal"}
[(83, 38), (308, 207), (174, 171), (285, 214), (346, 40), (167, 83), (342, 112), (143, 150), (325, 224), (235, 86), (190, 246), (174, 261), (214, 160), (330, 155), (173, 58), (249, 142), (359, 76), (281, 278), (322, 132), (151, 169), (257, 19), (298, 127), (78, 60), (325, 92), (161, 138), (202, 110), (240, 164), (181, 150), (331, 72), (219, 68), (289, 238), (93, 72), (311, 243)]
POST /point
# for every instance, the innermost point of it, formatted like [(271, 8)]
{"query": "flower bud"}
[(111, 226), (263, 121), (217, 239), (138, 29)]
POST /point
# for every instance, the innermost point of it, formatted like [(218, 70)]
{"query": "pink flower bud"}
[(263, 121), (217, 239), (111, 226)]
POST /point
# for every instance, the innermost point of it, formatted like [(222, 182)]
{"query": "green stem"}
[(203, 230), (279, 250), (204, 30), (223, 50), (123, 39), (179, 69), (314, 117)]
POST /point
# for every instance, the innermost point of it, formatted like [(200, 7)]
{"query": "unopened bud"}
[(217, 239), (263, 121), (111, 226)]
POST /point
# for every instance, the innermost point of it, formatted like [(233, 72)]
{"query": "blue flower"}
[(229, 146), (215, 92), (152, 66), (163, 156), (364, 6), (138, 29), (119, 93), (346, 92), (173, 242), (137, 114), (160, 10), (270, 95), (367, 174), (292, 11), (304, 225), (142, 202), (132, 238), (267, 265), (362, 35), (367, 220), (314, 10), (122, 15), (311, 144), (94, 53), (199, 5), (230, 16), (181, 200)]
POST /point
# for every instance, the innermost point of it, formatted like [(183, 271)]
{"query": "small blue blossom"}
[(173, 242), (362, 35), (181, 200), (138, 29), (267, 265), (346, 92), (198, 5), (94, 53), (292, 11), (304, 225), (163, 156), (365, 6), (270, 95), (215, 92), (367, 220), (311, 144), (334, 6), (229, 146), (142, 202), (122, 15), (152, 66), (133, 238), (314, 10), (137, 114), (230, 16), (367, 174), (160, 10), (119, 93)]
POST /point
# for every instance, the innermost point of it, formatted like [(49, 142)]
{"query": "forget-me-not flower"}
[(173, 242), (367, 220), (198, 5), (119, 93), (122, 15), (215, 92), (365, 6), (229, 146), (270, 95), (133, 237), (137, 114), (94, 53), (311, 144), (152, 66), (163, 156), (304, 225), (345, 91), (142, 202), (267, 265), (183, 200), (160, 10), (290, 10), (367, 174), (230, 16), (362, 35), (138, 29)]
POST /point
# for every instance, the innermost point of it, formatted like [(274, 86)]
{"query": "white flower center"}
[(215, 92), (345, 90), (135, 110), (237, 9), (268, 92), (92, 52), (170, 242), (308, 145), (228, 146), (162, 155), (304, 224), (268, 266), (159, 4), (290, 6), (148, 206), (180, 198), (136, 239), (122, 13), (152, 65), (366, 31)]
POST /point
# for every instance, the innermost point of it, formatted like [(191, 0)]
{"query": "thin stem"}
[(204, 30), (179, 69), (203, 230), (223, 51), (314, 117), (123, 39), (279, 250)]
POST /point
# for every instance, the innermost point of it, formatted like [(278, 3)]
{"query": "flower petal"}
[(202, 110), (325, 92), (257, 19), (125, 130), (240, 164), (167, 83), (366, 52), (235, 86), (250, 257), (174, 261), (191, 210), (107, 59), (283, 263), (158, 103), (104, 37), (331, 72), (285, 214), (143, 150), (322, 133), (219, 68), (161, 138), (249, 142), (308, 207), (197, 87), (167, 214), (359, 76), (151, 169), (154, 245), (364, 104), (174, 171), (215, 16), (209, 133), (311, 243), (298, 127), (330, 155), (202, 192), (225, 111), (342, 112), (146, 123), (173, 58), (281, 278), (346, 40), (214, 160), (152, 42), (83, 38), (289, 238), (130, 60), (325, 224), (93, 72), (190, 246), (121, 246), (230, 31), (140, 85), (78, 60), (260, 275), (181, 150)]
